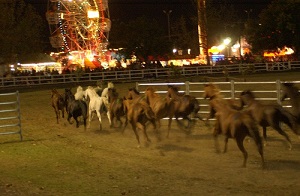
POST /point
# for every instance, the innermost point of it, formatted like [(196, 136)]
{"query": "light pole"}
[(168, 12)]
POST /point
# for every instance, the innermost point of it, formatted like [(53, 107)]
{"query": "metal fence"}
[(267, 92), (10, 116), (147, 74)]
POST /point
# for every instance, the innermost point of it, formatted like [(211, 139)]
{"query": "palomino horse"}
[(79, 93), (268, 115), (289, 90), (116, 106), (58, 103), (75, 108), (138, 114), (232, 123), (104, 93), (95, 105), (184, 105), (161, 106)]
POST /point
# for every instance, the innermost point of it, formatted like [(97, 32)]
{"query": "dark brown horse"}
[(289, 90), (184, 106), (116, 106), (58, 103), (232, 123), (161, 106), (138, 114), (75, 108), (268, 115)]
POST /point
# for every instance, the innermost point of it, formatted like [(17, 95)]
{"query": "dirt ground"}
[(59, 159)]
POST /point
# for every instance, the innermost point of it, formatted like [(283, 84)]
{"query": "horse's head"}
[(132, 92), (110, 85), (210, 91), (246, 97)]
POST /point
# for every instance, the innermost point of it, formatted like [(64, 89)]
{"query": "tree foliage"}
[(142, 37), (278, 26), (21, 31)]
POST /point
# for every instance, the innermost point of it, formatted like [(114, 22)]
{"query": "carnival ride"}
[(79, 28)]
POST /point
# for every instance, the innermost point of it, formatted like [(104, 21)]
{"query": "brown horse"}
[(184, 106), (161, 106), (58, 103), (289, 90), (138, 114), (116, 106), (233, 103), (268, 115), (232, 123)]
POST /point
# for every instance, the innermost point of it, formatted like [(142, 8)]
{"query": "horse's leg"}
[(169, 125), (99, 117), (143, 128), (281, 132), (225, 144), (265, 135), (108, 116), (112, 117), (90, 117), (57, 115), (215, 134), (239, 141), (133, 124), (77, 122)]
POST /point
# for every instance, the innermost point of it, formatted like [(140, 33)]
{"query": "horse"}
[(75, 108), (95, 105), (268, 115), (58, 103), (289, 90), (79, 93), (161, 106), (138, 114), (184, 106), (233, 103), (104, 93), (232, 123), (116, 106)]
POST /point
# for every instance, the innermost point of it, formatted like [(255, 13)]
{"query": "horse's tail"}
[(289, 119)]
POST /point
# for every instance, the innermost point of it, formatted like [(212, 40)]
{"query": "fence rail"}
[(10, 116), (147, 74)]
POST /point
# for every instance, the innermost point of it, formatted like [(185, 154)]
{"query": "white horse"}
[(95, 104), (79, 95), (105, 91)]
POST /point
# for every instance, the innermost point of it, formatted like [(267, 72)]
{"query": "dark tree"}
[(21, 31), (278, 26)]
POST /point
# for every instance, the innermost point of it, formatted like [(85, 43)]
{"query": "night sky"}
[(125, 10)]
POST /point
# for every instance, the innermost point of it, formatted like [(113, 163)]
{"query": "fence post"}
[(278, 90), (232, 88), (187, 87)]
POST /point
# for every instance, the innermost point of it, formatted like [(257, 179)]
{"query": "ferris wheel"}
[(79, 25)]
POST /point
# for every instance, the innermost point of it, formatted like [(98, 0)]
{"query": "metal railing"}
[(10, 116), (147, 74)]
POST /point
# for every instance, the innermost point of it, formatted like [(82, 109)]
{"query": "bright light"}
[(227, 41), (93, 14), (174, 50), (189, 51)]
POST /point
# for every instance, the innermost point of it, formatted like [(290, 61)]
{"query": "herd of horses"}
[(235, 119)]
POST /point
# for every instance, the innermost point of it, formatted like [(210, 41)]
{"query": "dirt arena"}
[(59, 159)]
